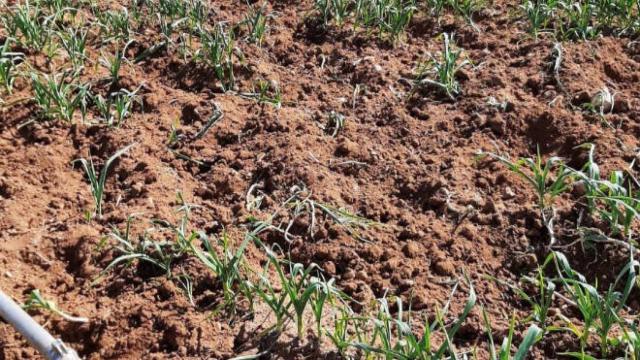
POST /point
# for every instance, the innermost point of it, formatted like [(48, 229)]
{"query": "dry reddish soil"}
[(407, 164)]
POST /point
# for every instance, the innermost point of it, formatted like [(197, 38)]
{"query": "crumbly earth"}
[(407, 163)]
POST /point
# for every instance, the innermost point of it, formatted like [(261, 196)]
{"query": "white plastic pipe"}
[(36, 335)]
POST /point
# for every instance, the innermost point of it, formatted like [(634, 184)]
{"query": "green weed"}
[(532, 336)]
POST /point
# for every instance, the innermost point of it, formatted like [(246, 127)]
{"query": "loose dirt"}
[(407, 164)]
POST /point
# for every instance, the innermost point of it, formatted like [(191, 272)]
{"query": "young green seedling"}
[(441, 73), (114, 63), (58, 99), (549, 178), (98, 181), (218, 52), (539, 13), (29, 25), (115, 25), (532, 336), (393, 338), (256, 22), (8, 61), (37, 301), (226, 265), (299, 286), (75, 42)]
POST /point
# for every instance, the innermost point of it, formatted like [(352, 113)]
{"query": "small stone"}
[(508, 193), (581, 98), (150, 178)]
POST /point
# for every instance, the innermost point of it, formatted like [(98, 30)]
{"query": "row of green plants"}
[(184, 26), (296, 292), (605, 328), (612, 203), (386, 17), (614, 199), (300, 297), (63, 95), (582, 20), (389, 18), (69, 33), (568, 20)]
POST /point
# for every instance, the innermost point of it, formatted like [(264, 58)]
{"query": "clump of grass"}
[(174, 9), (440, 72), (541, 301), (333, 10), (616, 198), (226, 264), (256, 23), (160, 254), (28, 24), (8, 63), (583, 20), (600, 312), (299, 287), (630, 340), (387, 17), (532, 336), (114, 63), (74, 42), (577, 22), (539, 14), (217, 52), (97, 180), (393, 338), (117, 107), (549, 178), (114, 25), (197, 12), (347, 329), (57, 98)]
